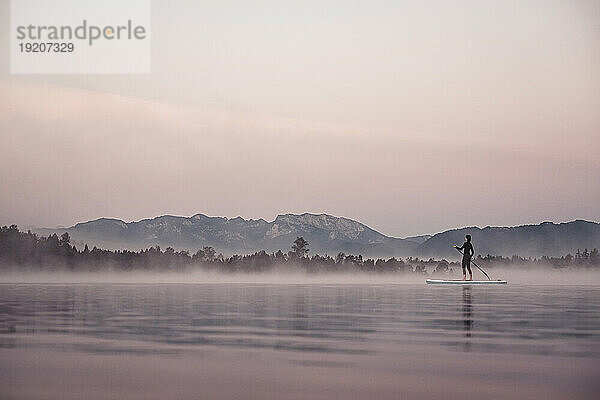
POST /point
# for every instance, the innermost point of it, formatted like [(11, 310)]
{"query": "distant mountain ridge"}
[(419, 238), (327, 234), (547, 239)]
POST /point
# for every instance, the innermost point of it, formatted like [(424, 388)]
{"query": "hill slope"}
[(527, 240)]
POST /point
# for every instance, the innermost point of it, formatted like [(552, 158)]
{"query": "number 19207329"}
[(41, 47)]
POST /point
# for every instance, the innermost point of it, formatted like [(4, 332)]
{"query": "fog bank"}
[(538, 276)]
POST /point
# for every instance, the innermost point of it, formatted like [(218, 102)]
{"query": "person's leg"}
[(464, 268), (469, 268)]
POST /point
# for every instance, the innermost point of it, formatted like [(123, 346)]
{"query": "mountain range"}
[(326, 234), (547, 238)]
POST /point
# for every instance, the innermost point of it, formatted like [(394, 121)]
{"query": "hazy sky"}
[(412, 117)]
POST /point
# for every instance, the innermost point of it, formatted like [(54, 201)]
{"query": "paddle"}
[(474, 263)]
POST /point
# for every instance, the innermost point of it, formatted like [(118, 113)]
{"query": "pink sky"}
[(411, 119)]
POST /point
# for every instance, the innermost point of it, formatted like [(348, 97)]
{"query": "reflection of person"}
[(468, 252), (467, 308)]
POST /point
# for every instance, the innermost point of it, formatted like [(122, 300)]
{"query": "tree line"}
[(26, 250)]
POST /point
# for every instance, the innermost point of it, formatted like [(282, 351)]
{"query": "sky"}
[(411, 117)]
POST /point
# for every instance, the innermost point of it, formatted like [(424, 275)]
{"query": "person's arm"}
[(460, 248), (472, 251)]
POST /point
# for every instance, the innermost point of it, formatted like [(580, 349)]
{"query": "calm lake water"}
[(311, 341)]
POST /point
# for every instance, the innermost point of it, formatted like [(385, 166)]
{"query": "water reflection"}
[(317, 319), (467, 310)]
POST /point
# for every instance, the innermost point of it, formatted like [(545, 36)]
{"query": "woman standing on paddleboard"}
[(468, 252)]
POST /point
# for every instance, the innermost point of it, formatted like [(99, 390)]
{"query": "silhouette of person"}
[(468, 252)]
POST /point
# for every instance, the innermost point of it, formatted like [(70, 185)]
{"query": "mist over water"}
[(514, 275)]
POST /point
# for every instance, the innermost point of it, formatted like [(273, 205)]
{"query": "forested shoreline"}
[(28, 251)]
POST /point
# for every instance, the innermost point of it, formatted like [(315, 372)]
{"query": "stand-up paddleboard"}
[(461, 282)]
